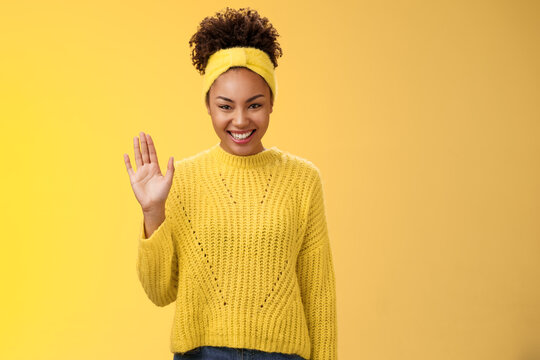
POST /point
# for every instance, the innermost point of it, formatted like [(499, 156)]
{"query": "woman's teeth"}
[(241, 136)]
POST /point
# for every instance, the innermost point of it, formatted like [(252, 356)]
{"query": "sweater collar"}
[(261, 158)]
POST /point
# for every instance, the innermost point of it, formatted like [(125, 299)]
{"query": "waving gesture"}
[(151, 188)]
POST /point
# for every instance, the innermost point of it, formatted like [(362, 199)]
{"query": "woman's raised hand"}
[(151, 188)]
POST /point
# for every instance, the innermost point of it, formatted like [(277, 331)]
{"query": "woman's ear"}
[(207, 102)]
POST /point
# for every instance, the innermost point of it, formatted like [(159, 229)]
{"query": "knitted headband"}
[(249, 57)]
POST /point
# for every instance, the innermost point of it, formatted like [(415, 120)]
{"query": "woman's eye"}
[(227, 107)]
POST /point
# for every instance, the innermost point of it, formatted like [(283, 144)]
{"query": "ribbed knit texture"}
[(245, 253)]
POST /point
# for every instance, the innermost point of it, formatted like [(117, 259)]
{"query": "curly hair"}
[(229, 28)]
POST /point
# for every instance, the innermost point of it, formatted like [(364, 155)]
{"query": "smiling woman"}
[(237, 233), (240, 103), (237, 51)]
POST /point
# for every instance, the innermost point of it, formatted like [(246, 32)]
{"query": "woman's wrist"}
[(152, 220)]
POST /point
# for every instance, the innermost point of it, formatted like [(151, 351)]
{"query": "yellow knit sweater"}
[(245, 253)]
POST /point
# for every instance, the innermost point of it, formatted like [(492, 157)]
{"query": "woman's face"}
[(239, 101)]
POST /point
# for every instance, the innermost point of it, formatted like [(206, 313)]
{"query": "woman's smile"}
[(241, 137)]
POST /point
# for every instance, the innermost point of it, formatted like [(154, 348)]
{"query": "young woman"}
[(237, 234)]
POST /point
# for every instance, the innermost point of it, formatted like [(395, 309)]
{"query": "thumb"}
[(170, 169)]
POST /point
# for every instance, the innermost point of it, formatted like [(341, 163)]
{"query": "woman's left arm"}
[(315, 272)]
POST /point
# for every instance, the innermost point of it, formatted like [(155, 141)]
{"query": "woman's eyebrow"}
[(248, 100)]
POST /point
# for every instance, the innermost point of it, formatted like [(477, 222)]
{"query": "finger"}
[(170, 169), (128, 166), (137, 151), (152, 150), (144, 149)]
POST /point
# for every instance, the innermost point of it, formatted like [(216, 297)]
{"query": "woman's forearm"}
[(152, 220)]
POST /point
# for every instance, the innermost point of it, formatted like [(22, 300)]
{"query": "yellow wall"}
[(423, 117)]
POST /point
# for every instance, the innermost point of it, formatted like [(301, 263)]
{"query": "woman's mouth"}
[(241, 138)]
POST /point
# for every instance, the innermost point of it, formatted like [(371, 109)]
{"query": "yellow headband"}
[(249, 57)]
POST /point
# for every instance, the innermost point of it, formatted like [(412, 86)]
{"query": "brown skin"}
[(150, 186), (239, 85)]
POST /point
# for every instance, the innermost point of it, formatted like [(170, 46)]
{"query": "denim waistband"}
[(229, 353)]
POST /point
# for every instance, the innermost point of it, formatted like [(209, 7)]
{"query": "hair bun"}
[(232, 28)]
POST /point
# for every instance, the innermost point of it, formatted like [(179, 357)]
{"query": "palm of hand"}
[(151, 188)]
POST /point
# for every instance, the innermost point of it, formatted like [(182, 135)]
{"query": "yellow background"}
[(423, 117)]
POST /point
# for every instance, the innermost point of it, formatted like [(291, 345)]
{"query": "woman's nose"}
[(240, 119)]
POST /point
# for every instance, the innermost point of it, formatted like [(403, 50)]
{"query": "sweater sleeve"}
[(315, 272), (157, 261)]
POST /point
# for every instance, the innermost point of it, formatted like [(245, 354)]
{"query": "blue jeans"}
[(228, 353)]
